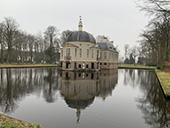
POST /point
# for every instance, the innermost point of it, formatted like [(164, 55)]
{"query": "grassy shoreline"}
[(27, 65), (128, 66), (164, 79), (9, 122)]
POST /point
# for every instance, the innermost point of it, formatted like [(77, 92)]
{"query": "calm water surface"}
[(107, 99)]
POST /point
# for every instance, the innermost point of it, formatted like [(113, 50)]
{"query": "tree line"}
[(17, 46), (155, 43)]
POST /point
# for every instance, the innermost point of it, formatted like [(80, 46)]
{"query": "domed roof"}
[(79, 104), (81, 36)]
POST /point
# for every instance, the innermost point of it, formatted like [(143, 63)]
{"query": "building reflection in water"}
[(79, 89)]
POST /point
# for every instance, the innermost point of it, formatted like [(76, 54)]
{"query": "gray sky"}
[(120, 20)]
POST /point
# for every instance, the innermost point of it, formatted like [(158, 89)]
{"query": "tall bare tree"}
[(2, 41), (31, 46), (126, 48), (155, 7), (64, 35), (10, 31), (156, 38), (50, 34)]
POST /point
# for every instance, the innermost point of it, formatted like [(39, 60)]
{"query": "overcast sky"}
[(120, 20)]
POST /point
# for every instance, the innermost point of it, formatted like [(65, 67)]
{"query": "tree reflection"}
[(155, 108), (15, 84), (153, 104), (79, 90), (49, 90)]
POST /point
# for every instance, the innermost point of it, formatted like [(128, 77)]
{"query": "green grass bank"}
[(131, 66), (8, 122), (27, 65), (164, 79)]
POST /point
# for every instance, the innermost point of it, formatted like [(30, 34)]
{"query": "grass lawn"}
[(164, 78), (8, 122), (131, 66), (26, 65)]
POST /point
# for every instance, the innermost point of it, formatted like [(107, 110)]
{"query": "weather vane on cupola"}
[(80, 24)]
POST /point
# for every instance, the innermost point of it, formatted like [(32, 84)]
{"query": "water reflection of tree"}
[(155, 108), (107, 82), (15, 84), (49, 90)]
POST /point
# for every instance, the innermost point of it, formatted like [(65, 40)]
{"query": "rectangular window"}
[(87, 66), (105, 55), (92, 53), (79, 65), (75, 52), (97, 53), (101, 55), (87, 52), (62, 53), (68, 52), (80, 52)]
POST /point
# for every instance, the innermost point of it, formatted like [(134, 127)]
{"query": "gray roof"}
[(79, 104), (107, 46), (81, 36)]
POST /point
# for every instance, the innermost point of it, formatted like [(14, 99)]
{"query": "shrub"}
[(167, 66)]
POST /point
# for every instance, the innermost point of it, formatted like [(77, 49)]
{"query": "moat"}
[(120, 98)]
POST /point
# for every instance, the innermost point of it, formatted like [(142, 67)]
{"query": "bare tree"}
[(126, 48), (135, 52), (155, 7), (156, 38), (2, 41), (64, 35), (50, 35), (10, 31), (40, 48), (20, 40)]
